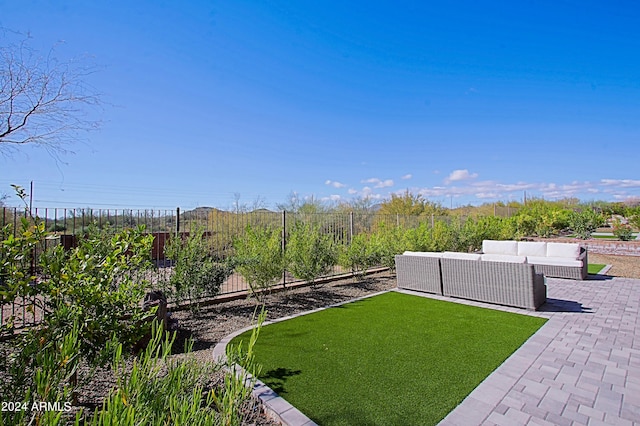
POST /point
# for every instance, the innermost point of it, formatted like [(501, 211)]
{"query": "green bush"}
[(622, 231), (195, 272), (310, 254), (159, 390), (585, 222), (259, 258), (389, 241), (363, 253), (88, 296)]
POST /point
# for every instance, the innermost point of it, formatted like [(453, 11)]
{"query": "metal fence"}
[(220, 228)]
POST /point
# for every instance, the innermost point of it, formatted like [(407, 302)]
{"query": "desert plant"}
[(259, 258), (360, 255), (196, 273), (585, 222), (91, 292), (622, 231), (310, 254), (389, 241)]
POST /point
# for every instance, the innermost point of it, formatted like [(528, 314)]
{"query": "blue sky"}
[(463, 102)]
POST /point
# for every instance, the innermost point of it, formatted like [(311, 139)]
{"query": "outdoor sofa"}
[(552, 259), (503, 280)]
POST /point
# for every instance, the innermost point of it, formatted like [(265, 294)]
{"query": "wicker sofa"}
[(559, 260), (510, 282)]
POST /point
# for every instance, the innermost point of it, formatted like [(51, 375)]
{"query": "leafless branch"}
[(42, 101)]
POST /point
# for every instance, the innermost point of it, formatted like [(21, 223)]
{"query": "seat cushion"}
[(532, 248), (564, 250), (500, 247), (423, 253), (457, 255), (555, 261), (504, 258)]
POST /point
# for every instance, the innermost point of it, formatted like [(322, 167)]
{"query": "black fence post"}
[(177, 221), (284, 245)]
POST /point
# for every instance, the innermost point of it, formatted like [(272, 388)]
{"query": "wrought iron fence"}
[(65, 226)]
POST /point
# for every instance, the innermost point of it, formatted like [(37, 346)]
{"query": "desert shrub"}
[(389, 241), (585, 222), (259, 257), (622, 231), (418, 238), (89, 296), (309, 253), (443, 237), (196, 273), (160, 390), (359, 256), (633, 216)]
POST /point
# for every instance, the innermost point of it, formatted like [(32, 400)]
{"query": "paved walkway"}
[(581, 368)]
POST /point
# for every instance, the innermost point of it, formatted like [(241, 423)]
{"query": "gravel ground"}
[(621, 266)]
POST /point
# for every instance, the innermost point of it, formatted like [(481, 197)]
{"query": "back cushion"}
[(566, 250), (500, 247), (504, 258), (423, 253), (532, 248), (456, 255)]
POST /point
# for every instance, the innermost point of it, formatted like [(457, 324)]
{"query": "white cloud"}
[(378, 183), (622, 183), (352, 191), (407, 176), (334, 183), (458, 175)]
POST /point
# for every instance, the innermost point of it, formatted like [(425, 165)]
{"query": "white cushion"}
[(504, 258), (565, 250), (457, 255), (423, 253), (532, 248), (500, 247), (554, 261)]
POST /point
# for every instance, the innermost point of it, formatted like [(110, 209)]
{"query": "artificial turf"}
[(391, 359), (594, 268)]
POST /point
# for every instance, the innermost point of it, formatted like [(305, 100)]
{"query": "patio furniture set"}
[(511, 273)]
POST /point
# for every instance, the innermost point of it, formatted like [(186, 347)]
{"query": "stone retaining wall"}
[(621, 248)]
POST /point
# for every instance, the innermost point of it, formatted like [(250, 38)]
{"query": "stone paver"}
[(582, 367)]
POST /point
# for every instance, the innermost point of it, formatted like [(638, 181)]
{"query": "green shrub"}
[(88, 296), (418, 239), (310, 254), (585, 222), (159, 390), (622, 231), (363, 253), (389, 241), (259, 258), (195, 272)]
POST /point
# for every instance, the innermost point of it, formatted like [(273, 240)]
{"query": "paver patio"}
[(581, 367)]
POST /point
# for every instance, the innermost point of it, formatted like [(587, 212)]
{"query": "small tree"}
[(389, 241), (259, 258), (622, 231), (360, 255), (585, 222), (310, 254), (195, 272)]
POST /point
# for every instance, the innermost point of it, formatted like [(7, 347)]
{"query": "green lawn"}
[(393, 359), (594, 268)]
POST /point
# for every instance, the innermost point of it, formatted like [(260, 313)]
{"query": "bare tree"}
[(43, 101)]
